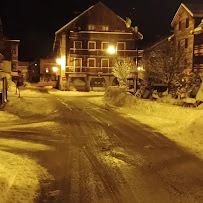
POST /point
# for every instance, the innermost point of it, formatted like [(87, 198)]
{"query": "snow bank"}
[(75, 93), (31, 102), (116, 96), (183, 125), (19, 178)]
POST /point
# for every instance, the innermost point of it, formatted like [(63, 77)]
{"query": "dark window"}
[(105, 45), (187, 23), (186, 43), (105, 63), (91, 62), (91, 45), (78, 62), (77, 44), (179, 25), (178, 44), (121, 46)]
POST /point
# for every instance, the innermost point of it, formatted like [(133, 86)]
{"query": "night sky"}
[(34, 22)]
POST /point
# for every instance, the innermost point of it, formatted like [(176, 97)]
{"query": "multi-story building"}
[(198, 47), (49, 70), (186, 19), (88, 45), (23, 70)]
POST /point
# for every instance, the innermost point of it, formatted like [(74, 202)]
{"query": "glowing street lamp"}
[(111, 50), (55, 69)]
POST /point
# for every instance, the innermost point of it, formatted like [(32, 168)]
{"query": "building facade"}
[(88, 45), (49, 70), (186, 19)]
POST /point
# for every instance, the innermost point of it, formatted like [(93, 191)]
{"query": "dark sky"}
[(34, 22)]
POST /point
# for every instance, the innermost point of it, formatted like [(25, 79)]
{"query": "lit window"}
[(104, 46), (187, 23), (121, 46), (186, 43), (91, 45), (77, 45), (104, 62), (78, 62), (105, 28), (91, 62), (47, 70), (91, 27)]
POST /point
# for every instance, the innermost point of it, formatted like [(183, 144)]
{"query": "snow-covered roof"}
[(198, 29)]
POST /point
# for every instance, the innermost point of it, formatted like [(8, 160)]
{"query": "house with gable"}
[(186, 24), (87, 46)]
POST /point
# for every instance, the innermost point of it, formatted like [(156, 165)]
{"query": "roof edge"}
[(186, 8)]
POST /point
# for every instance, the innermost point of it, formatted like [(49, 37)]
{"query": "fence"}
[(3, 90)]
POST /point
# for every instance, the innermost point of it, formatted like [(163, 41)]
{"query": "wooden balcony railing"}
[(72, 69), (99, 52)]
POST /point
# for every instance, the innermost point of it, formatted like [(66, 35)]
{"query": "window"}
[(121, 46), (91, 62), (178, 44), (104, 62), (104, 46), (105, 28), (92, 45), (186, 43), (179, 26), (91, 27), (47, 70), (77, 62), (187, 23), (77, 44)]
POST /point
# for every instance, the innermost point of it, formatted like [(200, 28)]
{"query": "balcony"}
[(100, 52), (93, 70)]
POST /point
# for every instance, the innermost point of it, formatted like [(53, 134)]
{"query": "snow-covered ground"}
[(20, 175), (180, 124)]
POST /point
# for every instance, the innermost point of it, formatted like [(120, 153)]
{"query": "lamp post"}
[(62, 75)]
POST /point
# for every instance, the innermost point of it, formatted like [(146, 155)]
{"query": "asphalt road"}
[(101, 156)]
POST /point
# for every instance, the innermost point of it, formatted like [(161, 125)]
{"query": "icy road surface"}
[(97, 155)]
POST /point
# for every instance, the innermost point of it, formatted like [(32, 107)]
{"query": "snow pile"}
[(183, 125), (19, 178), (116, 96)]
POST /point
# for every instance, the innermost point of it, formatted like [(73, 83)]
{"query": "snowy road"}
[(100, 156)]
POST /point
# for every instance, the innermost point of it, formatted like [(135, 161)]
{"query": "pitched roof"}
[(69, 23), (195, 10)]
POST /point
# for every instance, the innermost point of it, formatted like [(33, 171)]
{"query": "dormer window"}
[(91, 27), (105, 28)]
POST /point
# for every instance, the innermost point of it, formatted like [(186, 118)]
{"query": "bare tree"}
[(123, 66), (167, 63)]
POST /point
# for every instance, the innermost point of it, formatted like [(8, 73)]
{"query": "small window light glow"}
[(35, 64), (55, 69), (111, 50), (47, 70)]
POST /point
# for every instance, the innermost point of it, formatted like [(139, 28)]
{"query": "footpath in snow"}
[(181, 124)]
